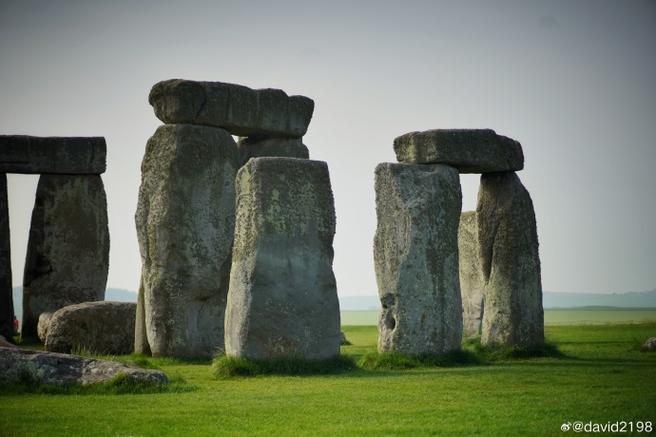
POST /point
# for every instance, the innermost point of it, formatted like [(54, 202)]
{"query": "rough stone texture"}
[(140, 336), (61, 369), (53, 155), (185, 223), (68, 249), (6, 299), (43, 325), (508, 241), (5, 343), (472, 283), (649, 345), (98, 327), (238, 109), (259, 147), (468, 150), (416, 258), (283, 297)]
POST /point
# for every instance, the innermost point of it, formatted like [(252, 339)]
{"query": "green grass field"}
[(574, 316), (601, 377)]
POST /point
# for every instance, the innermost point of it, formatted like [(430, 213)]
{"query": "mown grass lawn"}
[(603, 377)]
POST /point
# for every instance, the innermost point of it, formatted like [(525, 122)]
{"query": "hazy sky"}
[(574, 81)]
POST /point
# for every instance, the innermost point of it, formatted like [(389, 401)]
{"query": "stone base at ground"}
[(416, 258), (105, 328), (508, 239), (68, 249), (472, 283), (6, 297), (649, 345), (283, 298), (17, 365), (185, 224)]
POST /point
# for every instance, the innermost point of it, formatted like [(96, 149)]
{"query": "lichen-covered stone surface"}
[(68, 249), (238, 109), (185, 224), (283, 297), (258, 147), (98, 327), (468, 150), (472, 283), (141, 345), (508, 239), (19, 365), (52, 155), (416, 258), (6, 298)]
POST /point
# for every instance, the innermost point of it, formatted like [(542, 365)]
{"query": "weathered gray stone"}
[(6, 298), (283, 297), (52, 155), (43, 325), (185, 223), (140, 336), (468, 150), (472, 283), (250, 147), (5, 343), (416, 258), (649, 345), (17, 365), (68, 249), (97, 327), (508, 240), (238, 109)]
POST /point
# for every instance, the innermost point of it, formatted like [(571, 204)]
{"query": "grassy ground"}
[(603, 377), (574, 316)]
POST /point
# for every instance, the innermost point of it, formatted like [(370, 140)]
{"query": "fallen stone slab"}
[(6, 297), (472, 283), (468, 150), (508, 239), (97, 327), (238, 109), (17, 365), (52, 155), (649, 345), (185, 224), (68, 248), (282, 300), (416, 258), (250, 147)]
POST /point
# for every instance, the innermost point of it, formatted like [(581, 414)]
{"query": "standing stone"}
[(185, 223), (472, 283), (508, 241), (416, 258), (250, 147), (468, 150), (140, 337), (238, 109), (283, 297), (6, 299), (68, 249)]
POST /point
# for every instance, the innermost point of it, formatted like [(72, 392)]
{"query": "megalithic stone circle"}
[(416, 258), (6, 298), (68, 248), (238, 109), (185, 223), (472, 283), (52, 155), (283, 297), (508, 239)]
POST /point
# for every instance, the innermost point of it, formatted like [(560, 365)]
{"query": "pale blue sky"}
[(573, 81)]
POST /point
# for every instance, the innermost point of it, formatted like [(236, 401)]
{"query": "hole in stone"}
[(390, 322)]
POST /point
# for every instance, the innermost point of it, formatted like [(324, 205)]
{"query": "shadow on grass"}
[(225, 367), (119, 385), (397, 361), (490, 354)]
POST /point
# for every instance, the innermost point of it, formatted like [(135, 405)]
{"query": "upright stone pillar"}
[(508, 241), (6, 298), (185, 224), (416, 258), (68, 249), (283, 298), (472, 283)]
